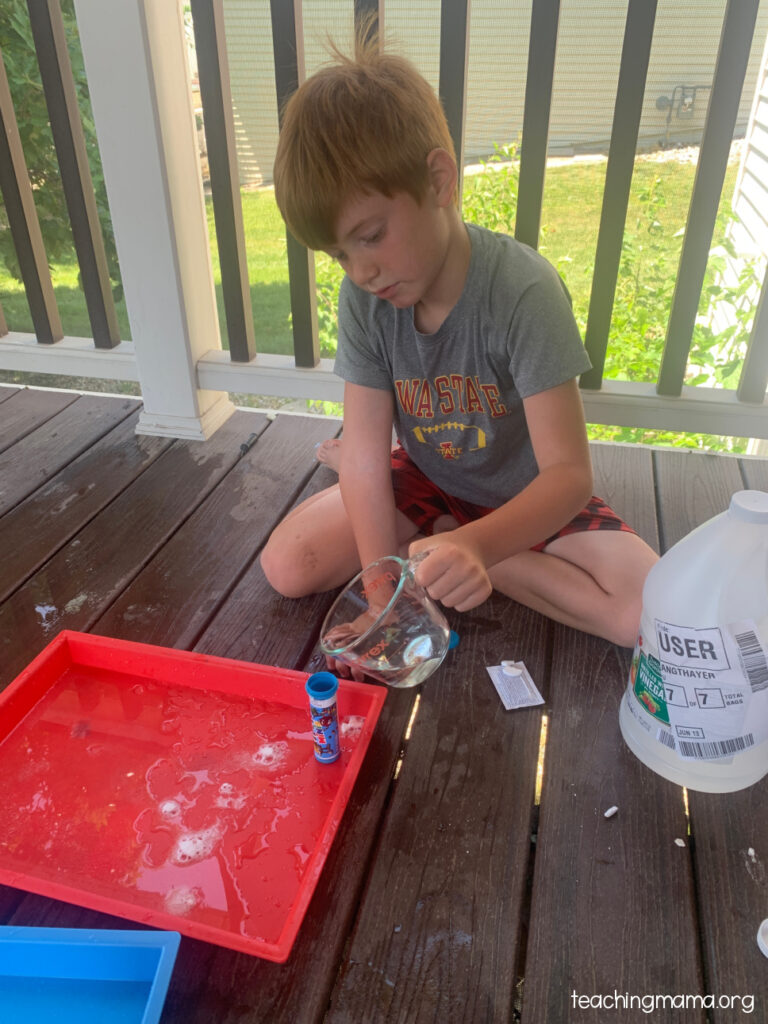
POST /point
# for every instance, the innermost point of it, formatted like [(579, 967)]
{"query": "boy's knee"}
[(284, 571), (625, 622)]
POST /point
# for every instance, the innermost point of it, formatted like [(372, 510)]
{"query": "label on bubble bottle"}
[(321, 688)]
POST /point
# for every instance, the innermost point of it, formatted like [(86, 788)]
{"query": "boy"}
[(466, 342)]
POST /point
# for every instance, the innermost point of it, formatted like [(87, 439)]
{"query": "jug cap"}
[(750, 506)]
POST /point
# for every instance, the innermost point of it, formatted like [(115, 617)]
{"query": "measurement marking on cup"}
[(373, 585), (392, 633)]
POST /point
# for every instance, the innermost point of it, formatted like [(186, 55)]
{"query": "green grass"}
[(571, 215), (69, 299), (266, 256), (267, 268)]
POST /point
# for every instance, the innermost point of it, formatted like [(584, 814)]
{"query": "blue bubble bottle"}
[(321, 688)]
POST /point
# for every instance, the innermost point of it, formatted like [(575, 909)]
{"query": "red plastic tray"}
[(176, 789)]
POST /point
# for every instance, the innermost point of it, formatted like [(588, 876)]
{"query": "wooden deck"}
[(451, 892)]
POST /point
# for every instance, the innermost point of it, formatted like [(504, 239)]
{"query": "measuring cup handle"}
[(415, 561)]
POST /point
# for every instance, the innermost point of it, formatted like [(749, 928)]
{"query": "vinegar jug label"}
[(705, 688)]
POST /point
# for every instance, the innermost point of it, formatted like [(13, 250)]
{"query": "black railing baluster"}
[(288, 46), (635, 55), (754, 373), (60, 92), (545, 15), (24, 224), (732, 58), (454, 52), (216, 97), (368, 13)]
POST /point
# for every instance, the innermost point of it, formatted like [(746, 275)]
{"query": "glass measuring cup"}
[(385, 624)]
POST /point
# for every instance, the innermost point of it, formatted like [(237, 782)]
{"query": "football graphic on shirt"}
[(451, 438)]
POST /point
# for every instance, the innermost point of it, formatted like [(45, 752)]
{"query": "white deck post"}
[(135, 60)]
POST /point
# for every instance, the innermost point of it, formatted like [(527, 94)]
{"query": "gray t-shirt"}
[(458, 392)]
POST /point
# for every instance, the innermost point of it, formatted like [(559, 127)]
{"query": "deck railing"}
[(135, 59)]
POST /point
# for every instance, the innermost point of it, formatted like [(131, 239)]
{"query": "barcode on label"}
[(721, 748), (753, 660), (666, 738)]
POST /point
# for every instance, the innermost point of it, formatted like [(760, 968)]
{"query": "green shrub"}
[(20, 60), (644, 291), (490, 198)]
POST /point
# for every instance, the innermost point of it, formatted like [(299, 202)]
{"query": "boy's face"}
[(394, 247)]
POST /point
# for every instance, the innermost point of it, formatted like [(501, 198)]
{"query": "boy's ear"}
[(443, 175)]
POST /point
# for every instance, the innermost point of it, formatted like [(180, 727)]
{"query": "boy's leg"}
[(592, 580), (313, 549)]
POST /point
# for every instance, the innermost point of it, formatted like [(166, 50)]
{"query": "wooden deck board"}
[(37, 527), (691, 488), (586, 908), (10, 900), (149, 539), (180, 590), (442, 912), (730, 844), (83, 578), (612, 897), (724, 828), (41, 454), (27, 410), (731, 881), (755, 473)]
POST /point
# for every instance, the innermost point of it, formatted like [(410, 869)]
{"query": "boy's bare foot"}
[(329, 453)]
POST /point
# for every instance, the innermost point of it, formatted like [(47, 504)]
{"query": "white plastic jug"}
[(696, 705)]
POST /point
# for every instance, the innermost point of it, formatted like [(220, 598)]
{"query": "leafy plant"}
[(329, 276), (642, 304), (718, 352), (18, 54), (490, 198), (649, 258)]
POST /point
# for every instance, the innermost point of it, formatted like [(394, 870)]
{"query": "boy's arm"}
[(456, 572), (365, 475)]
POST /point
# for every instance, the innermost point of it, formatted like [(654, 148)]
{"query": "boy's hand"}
[(342, 670), (340, 636), (347, 633), (452, 572)]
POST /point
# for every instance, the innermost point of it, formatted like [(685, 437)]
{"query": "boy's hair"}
[(359, 125)]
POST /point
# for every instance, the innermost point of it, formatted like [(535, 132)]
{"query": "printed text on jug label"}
[(691, 648), (707, 688)]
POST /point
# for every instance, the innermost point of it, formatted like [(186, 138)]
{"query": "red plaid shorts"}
[(423, 502)]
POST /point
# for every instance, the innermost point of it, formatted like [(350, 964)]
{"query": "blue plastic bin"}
[(84, 976)]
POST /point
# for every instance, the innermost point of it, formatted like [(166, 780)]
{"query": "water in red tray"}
[(204, 805)]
